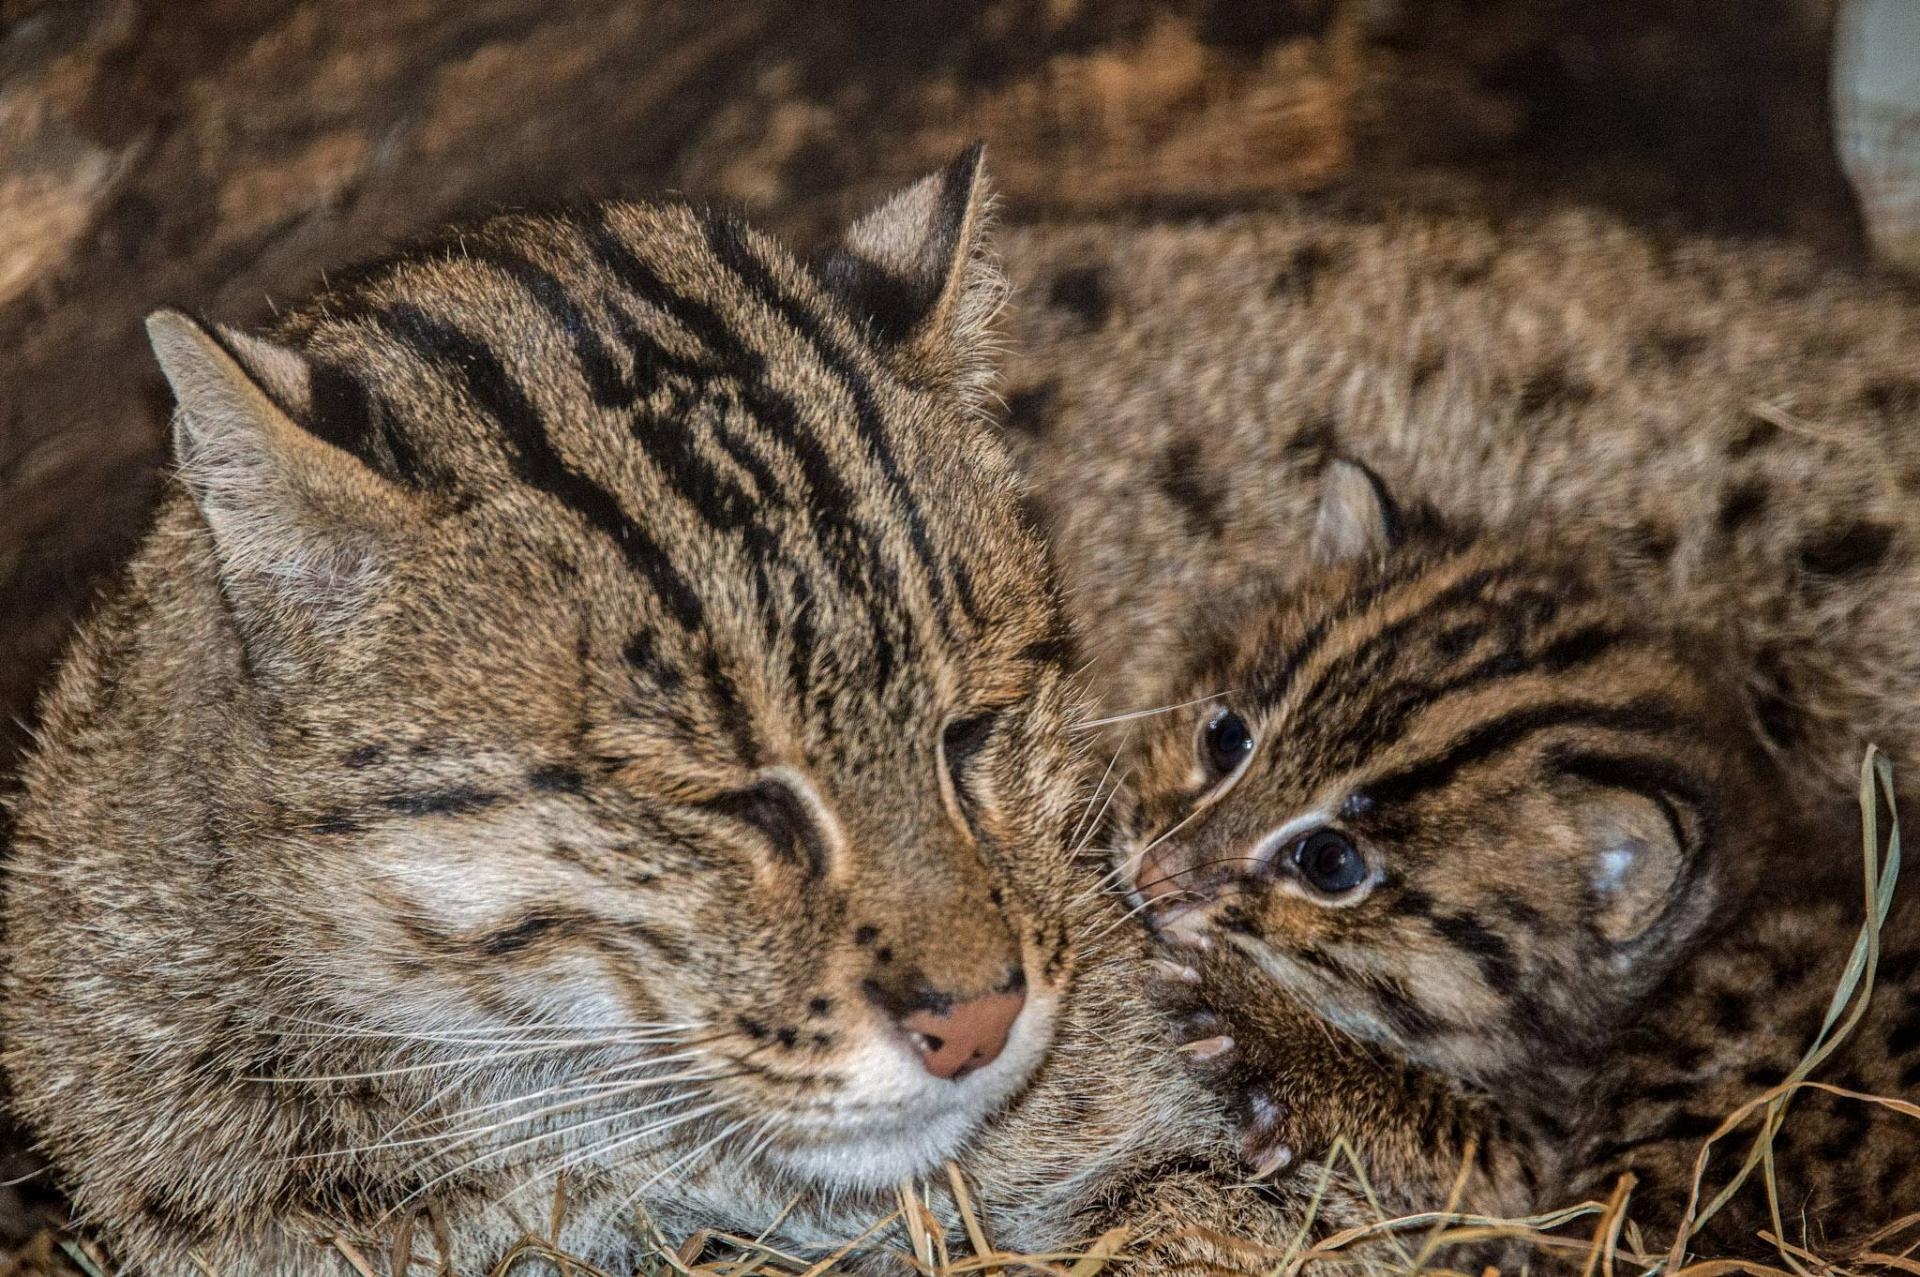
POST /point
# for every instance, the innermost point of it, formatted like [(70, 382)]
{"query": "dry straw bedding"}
[(1598, 1238)]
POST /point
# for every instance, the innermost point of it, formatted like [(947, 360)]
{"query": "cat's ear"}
[(296, 522), (918, 272), (1357, 519), (1639, 861)]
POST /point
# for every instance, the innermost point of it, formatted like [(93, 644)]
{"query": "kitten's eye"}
[(1225, 742), (1328, 861)]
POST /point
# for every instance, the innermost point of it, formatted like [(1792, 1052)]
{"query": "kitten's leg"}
[(1298, 1088)]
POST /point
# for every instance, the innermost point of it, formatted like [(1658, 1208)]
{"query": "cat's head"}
[(638, 645), (1452, 792)]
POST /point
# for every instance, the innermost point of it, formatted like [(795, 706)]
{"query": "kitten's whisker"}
[(1135, 859), (1112, 923), (1176, 874), (1088, 821), (1130, 716), (1106, 884), (1079, 847)]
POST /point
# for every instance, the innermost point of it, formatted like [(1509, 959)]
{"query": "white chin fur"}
[(893, 1120)]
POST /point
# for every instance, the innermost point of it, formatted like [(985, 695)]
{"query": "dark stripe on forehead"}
[(605, 382), (1391, 577), (1392, 706), (738, 451), (1508, 731), (729, 243), (1469, 588), (669, 443), (532, 454), (850, 548), (708, 326)]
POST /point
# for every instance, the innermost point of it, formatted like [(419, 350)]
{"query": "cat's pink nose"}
[(966, 1035)]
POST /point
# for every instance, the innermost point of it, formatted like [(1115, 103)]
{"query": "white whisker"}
[(1090, 819), (428, 1066), (657, 1128), (581, 1095), (1128, 717)]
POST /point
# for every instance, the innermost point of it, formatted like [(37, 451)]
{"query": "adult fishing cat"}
[(589, 719)]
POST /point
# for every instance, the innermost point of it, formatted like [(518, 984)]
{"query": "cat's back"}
[(1728, 423)]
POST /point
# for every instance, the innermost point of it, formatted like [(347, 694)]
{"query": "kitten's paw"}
[(1266, 1137), (1220, 1015), (1204, 1050)]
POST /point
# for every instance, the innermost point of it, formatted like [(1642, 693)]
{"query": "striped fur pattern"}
[(586, 665), (1534, 785), (1731, 426), (1583, 925), (1724, 432)]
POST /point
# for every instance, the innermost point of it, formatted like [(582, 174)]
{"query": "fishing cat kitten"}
[(1719, 432), (1514, 847), (1735, 425)]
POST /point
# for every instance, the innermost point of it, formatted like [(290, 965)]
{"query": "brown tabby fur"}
[(1714, 440), (1733, 426), (578, 663), (1490, 729)]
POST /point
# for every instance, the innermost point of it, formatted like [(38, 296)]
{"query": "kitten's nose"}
[(955, 1037)]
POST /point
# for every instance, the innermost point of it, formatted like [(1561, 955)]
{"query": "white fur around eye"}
[(1286, 835)]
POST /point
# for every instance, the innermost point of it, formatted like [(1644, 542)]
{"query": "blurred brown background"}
[(218, 154)]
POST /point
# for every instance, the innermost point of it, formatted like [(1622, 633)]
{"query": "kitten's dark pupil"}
[(1330, 862), (1228, 740)]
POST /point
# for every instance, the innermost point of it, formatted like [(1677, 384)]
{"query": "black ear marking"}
[(300, 527), (893, 305)]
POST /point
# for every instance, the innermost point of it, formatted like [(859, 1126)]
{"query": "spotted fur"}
[(1591, 922), (1733, 425), (586, 670)]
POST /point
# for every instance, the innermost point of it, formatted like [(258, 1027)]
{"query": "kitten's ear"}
[(1358, 518), (1638, 864), (296, 522), (918, 271)]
